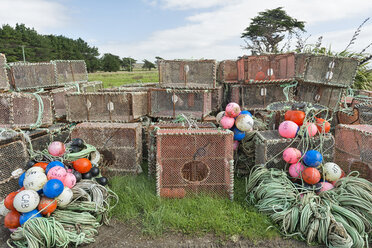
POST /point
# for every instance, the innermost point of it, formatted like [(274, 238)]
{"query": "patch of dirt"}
[(119, 234)]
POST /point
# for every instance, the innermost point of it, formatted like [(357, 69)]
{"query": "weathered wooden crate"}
[(58, 100), (135, 85), (21, 110), (227, 71), (187, 73), (321, 69), (119, 143), (106, 106), (353, 147), (13, 156), (168, 103), (151, 138), (24, 76), (326, 95), (42, 137), (365, 113), (70, 71), (257, 96), (194, 161), (93, 86), (217, 98), (4, 82), (270, 146)]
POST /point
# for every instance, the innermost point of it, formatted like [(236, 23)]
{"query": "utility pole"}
[(130, 64), (23, 52)]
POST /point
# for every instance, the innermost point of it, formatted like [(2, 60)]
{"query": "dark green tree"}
[(268, 29), (128, 63), (148, 65), (110, 62)]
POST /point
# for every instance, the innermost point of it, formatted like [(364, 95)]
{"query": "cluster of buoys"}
[(237, 120), (294, 119), (47, 185)]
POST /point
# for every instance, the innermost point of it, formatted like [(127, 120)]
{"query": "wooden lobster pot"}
[(4, 82), (58, 96), (93, 86), (227, 71), (70, 71)]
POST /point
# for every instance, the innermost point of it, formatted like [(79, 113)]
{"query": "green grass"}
[(113, 79), (196, 215)]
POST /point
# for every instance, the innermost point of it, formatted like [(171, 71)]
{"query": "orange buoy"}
[(44, 202), (311, 175), (11, 220), (41, 164), (82, 165), (8, 202)]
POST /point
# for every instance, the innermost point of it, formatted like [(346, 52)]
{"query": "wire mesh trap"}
[(227, 71), (58, 100), (151, 138), (321, 69), (22, 110), (270, 146), (106, 106), (4, 82), (353, 149), (119, 143), (187, 73), (70, 71), (168, 103), (93, 86), (194, 161), (25, 76)]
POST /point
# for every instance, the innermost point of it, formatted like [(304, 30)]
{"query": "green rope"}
[(287, 88)]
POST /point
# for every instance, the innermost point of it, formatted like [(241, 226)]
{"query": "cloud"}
[(43, 15), (215, 33)]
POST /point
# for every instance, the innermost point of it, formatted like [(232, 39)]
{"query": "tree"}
[(148, 65), (110, 62), (128, 63), (268, 29)]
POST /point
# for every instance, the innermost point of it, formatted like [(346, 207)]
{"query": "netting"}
[(13, 156), (92, 86), (194, 161), (32, 75), (365, 113), (168, 103), (270, 146), (151, 138), (217, 98), (70, 71), (106, 106), (4, 83), (59, 101), (321, 69), (187, 73), (120, 144), (353, 149), (256, 96), (21, 110), (227, 71)]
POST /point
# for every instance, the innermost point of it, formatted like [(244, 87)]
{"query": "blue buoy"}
[(52, 164), (313, 158), (238, 135), (21, 179), (29, 215), (53, 188)]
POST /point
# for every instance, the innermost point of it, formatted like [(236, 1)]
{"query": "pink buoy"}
[(311, 129), (235, 145), (288, 129), (296, 169), (232, 109), (56, 148), (57, 172), (69, 180), (291, 155), (326, 186), (227, 122)]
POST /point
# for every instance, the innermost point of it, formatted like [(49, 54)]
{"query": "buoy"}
[(245, 112), (57, 172), (94, 171), (53, 188), (42, 165), (56, 148), (78, 142), (50, 204), (28, 216), (52, 164), (238, 135), (21, 179), (82, 165), (70, 180), (244, 123), (87, 175), (219, 116), (295, 170), (77, 175), (291, 155), (288, 129), (235, 145), (11, 220), (35, 181), (9, 199), (311, 175), (332, 172), (227, 122), (323, 125), (313, 158), (232, 109), (102, 180), (325, 186), (26, 201), (29, 164), (297, 116), (65, 197), (34, 170), (311, 129)]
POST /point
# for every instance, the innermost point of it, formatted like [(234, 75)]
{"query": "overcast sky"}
[(184, 29)]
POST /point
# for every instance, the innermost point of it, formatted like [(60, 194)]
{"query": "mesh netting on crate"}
[(4, 82), (58, 100), (70, 71), (92, 86), (227, 71), (194, 161)]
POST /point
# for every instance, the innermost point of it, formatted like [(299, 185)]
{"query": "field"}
[(114, 79)]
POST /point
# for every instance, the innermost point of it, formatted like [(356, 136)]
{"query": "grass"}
[(114, 79), (196, 215)]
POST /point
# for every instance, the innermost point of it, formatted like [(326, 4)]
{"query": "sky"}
[(184, 29)]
